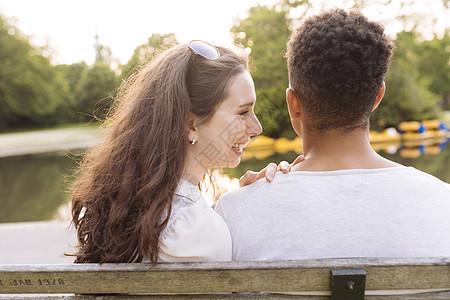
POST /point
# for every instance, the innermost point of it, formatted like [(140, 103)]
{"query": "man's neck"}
[(337, 150)]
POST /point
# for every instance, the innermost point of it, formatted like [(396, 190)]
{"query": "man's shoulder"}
[(415, 174), (280, 181), (257, 193), (243, 192), (312, 185)]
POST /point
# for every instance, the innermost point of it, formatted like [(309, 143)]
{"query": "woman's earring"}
[(193, 141)]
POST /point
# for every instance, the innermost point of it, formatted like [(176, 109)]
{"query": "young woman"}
[(136, 197)]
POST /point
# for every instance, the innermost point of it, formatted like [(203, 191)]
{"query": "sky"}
[(68, 27)]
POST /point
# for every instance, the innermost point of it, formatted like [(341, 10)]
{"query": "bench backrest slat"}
[(273, 276)]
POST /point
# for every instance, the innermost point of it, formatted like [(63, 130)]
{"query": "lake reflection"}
[(33, 187)]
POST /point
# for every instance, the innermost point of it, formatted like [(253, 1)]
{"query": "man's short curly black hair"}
[(337, 62)]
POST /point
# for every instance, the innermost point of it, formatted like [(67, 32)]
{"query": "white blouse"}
[(195, 232)]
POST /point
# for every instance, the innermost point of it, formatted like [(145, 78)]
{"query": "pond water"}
[(34, 187)]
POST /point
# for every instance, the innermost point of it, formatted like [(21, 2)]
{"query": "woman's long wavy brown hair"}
[(122, 195)]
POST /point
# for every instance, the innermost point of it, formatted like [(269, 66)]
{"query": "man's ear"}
[(379, 96), (293, 104)]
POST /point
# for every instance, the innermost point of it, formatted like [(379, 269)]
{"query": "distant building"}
[(98, 48)]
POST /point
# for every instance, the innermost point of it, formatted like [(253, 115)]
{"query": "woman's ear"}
[(293, 104), (192, 128), (379, 96)]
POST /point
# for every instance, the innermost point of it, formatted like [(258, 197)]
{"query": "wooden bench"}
[(377, 278)]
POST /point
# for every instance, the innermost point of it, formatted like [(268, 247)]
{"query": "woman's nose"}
[(254, 127)]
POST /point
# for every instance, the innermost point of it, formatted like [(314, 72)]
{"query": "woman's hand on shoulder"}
[(268, 172)]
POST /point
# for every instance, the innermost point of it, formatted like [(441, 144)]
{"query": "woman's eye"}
[(243, 113)]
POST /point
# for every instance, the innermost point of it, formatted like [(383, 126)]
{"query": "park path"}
[(41, 242), (36, 242), (48, 140)]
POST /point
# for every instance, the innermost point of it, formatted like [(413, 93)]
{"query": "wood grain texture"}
[(205, 278), (222, 296)]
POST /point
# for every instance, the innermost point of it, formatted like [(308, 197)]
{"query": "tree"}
[(72, 74), (408, 96), (433, 63), (30, 89), (94, 92), (155, 45), (264, 33), (419, 69)]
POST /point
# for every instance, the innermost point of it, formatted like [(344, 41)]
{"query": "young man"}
[(343, 200)]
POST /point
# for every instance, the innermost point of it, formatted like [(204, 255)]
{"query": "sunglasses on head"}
[(204, 49)]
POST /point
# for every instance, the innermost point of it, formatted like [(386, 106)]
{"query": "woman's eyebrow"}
[(247, 104)]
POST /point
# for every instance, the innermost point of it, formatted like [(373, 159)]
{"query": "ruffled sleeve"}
[(199, 234)]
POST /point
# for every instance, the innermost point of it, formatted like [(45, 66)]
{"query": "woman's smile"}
[(239, 147)]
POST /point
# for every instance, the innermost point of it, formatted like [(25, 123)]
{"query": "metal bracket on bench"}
[(348, 284)]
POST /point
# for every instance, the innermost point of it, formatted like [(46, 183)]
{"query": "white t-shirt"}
[(195, 232), (391, 212)]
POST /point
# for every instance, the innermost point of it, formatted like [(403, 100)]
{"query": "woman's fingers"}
[(248, 178), (297, 160), (268, 172), (284, 167)]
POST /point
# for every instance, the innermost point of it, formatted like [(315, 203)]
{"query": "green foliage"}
[(405, 100), (418, 77), (30, 90), (35, 93), (94, 92), (156, 44), (72, 74), (265, 31), (408, 94), (434, 63)]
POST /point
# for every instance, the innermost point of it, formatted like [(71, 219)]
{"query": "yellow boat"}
[(411, 140), (260, 142), (413, 130), (437, 127), (389, 147), (433, 150), (389, 135), (417, 137), (283, 145), (257, 154), (411, 126), (411, 152)]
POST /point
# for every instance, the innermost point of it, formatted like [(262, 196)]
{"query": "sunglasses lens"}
[(204, 49)]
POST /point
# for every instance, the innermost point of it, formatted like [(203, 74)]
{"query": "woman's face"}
[(221, 140)]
